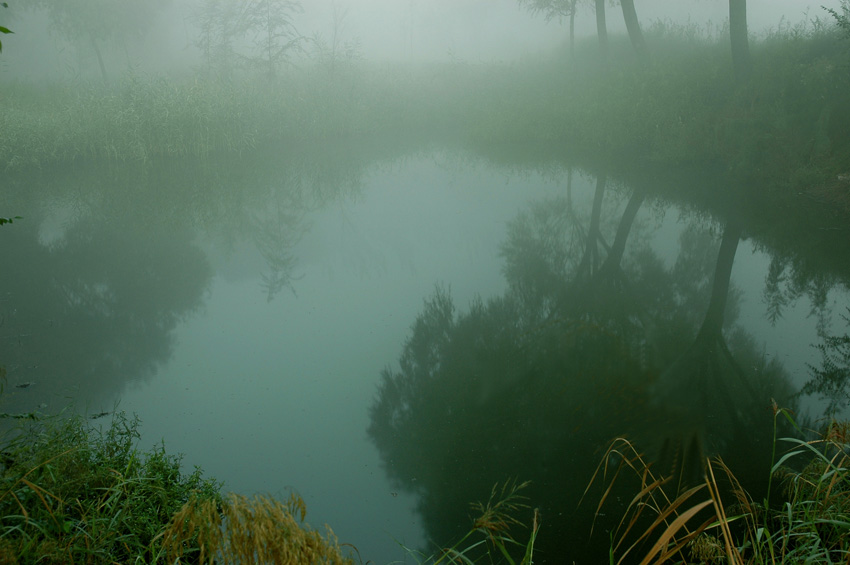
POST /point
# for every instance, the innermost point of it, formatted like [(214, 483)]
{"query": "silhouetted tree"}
[(535, 383), (831, 380), (270, 25), (552, 9), (714, 405), (633, 27), (567, 9), (100, 21), (738, 35), (601, 27), (4, 30), (267, 24)]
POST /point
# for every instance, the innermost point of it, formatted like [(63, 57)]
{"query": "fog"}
[(387, 254), (380, 30)]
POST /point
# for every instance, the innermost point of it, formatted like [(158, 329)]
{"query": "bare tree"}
[(99, 22), (739, 38), (268, 25), (335, 50), (633, 27), (275, 36), (552, 9)]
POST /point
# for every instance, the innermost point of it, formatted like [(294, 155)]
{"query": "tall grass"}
[(718, 522), (71, 492), (784, 126), (490, 538), (239, 529), (148, 116)]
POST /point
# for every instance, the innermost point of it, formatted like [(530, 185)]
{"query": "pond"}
[(390, 331)]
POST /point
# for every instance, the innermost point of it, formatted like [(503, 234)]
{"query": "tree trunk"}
[(712, 324), (633, 27), (618, 248), (270, 42), (99, 58), (587, 267), (601, 28), (739, 39)]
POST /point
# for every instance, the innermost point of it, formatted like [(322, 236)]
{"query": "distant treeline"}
[(784, 127)]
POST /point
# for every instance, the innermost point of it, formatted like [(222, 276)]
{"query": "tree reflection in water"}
[(579, 350), (94, 309)]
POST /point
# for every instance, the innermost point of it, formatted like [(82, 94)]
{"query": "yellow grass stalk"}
[(261, 529)]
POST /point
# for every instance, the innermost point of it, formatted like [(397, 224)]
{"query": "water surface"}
[(247, 315)]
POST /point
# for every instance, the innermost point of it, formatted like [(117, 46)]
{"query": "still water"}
[(389, 337)]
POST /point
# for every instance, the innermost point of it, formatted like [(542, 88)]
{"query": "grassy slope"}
[(785, 129)]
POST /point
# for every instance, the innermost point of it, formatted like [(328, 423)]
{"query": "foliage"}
[(536, 381), (843, 18), (718, 522), (145, 117), (275, 37), (336, 52), (781, 133), (9, 220), (216, 33), (123, 312), (493, 522), (831, 380), (93, 22), (551, 9), (267, 24), (70, 492), (237, 529)]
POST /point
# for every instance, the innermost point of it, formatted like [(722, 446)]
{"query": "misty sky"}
[(394, 30), (500, 29)]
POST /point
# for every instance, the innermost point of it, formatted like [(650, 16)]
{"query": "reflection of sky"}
[(268, 396), (271, 395), (792, 338)]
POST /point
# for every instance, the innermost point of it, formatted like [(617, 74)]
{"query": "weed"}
[(238, 529), (811, 525), (70, 493), (493, 524)]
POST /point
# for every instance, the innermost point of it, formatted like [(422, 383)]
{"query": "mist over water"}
[(377, 270), (271, 392)]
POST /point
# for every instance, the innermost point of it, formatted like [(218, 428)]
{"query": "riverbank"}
[(783, 131), (72, 491), (75, 491)]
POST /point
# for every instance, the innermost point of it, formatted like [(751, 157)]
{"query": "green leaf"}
[(5, 30)]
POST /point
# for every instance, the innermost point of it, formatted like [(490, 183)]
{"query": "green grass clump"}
[(70, 493)]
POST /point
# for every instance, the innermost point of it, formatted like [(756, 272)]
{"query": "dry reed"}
[(261, 529)]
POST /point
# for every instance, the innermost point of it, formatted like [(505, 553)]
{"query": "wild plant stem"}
[(772, 459)]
